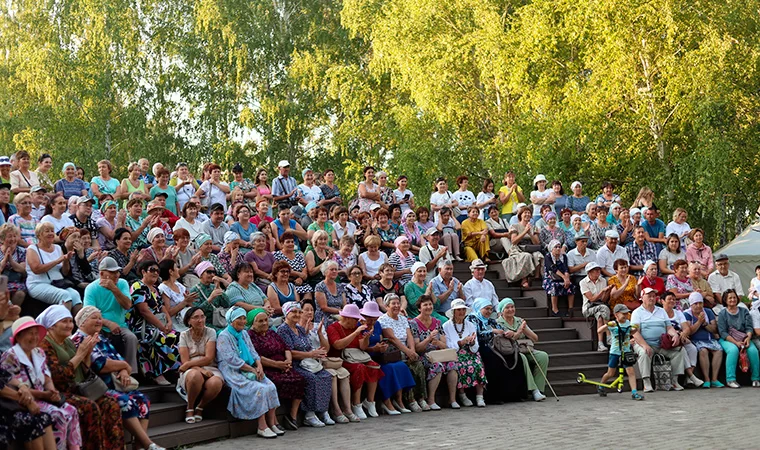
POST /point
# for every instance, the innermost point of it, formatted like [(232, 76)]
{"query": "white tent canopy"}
[(744, 253)]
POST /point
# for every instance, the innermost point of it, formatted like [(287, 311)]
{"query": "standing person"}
[(403, 196), (368, 191), (103, 183), (699, 251), (265, 190), (330, 191), (679, 226), (250, 193), (132, 187), (44, 164), (486, 199), (620, 331), (214, 190), (560, 199), (509, 196), (285, 187), (184, 184), (464, 197), (23, 179), (145, 175), (442, 198), (540, 196), (162, 187)]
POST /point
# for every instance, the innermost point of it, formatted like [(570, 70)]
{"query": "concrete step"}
[(533, 311), (577, 358), (566, 346), (537, 323), (509, 292), (166, 413), (183, 434), (521, 302), (592, 372), (556, 334)]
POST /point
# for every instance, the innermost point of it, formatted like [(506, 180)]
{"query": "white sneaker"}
[(359, 412), (676, 386), (464, 400), (415, 407), (648, 385), (265, 433), (326, 419), (424, 405), (756, 383), (695, 381), (601, 348), (435, 407), (312, 421), (733, 385), (277, 430), (341, 419), (400, 408), (538, 396), (479, 401), (370, 407), (455, 405), (155, 447)]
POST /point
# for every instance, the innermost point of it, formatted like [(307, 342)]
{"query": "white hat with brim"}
[(283, 163), (458, 304), (539, 177)]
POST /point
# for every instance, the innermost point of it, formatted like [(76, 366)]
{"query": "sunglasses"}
[(211, 271), (153, 270)]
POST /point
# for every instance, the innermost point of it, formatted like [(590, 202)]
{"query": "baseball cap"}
[(721, 257), (612, 234), (5, 186), (109, 265), (431, 231), (81, 200), (591, 266), (216, 207), (647, 291), (38, 188), (283, 163), (621, 308), (5, 161), (162, 194)]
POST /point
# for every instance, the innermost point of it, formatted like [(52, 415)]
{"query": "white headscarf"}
[(52, 315)]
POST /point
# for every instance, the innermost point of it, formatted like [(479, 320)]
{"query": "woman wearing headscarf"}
[(277, 361), (417, 287), (517, 328), (557, 277), (411, 230), (231, 256), (100, 420), (242, 371), (210, 292), (205, 248), (27, 364), (306, 362), (461, 335), (157, 250), (512, 385), (551, 231)]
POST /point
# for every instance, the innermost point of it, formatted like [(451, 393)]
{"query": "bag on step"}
[(661, 371)]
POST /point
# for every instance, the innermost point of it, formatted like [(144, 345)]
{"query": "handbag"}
[(743, 360), (332, 362), (355, 356), (63, 283), (218, 319), (504, 347), (311, 364), (661, 369), (442, 356), (388, 357), (133, 384), (666, 343), (530, 248), (8, 405), (739, 336), (92, 388), (525, 345)]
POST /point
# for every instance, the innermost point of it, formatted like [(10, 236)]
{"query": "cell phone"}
[(3, 284), (407, 196)]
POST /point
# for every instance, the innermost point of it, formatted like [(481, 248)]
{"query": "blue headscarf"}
[(243, 350), (503, 304), (479, 304)]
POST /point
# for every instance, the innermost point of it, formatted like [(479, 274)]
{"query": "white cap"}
[(539, 177), (283, 163), (611, 234), (647, 290), (575, 183), (614, 205), (635, 211), (591, 266)]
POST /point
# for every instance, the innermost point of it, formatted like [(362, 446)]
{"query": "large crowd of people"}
[(343, 306)]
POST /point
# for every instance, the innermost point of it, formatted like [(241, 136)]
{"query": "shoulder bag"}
[(93, 387), (442, 356), (133, 384), (455, 211), (525, 345), (332, 362), (63, 283), (355, 356), (311, 364), (504, 348), (218, 319)]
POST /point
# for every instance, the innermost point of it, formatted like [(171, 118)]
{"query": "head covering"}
[(575, 183), (290, 306), (201, 239), (549, 215), (721, 257), (539, 177), (202, 267), (67, 165), (612, 234), (573, 217), (479, 304), (417, 266), (621, 308), (234, 313), (634, 211), (85, 314), (245, 353), (5, 161), (580, 236), (614, 205), (351, 311), (695, 297), (477, 264), (155, 232), (504, 303), (553, 243), (107, 204), (647, 290), (398, 242), (458, 304), (433, 230), (371, 309), (283, 163), (230, 237), (591, 266), (649, 263), (109, 265), (251, 316), (24, 323), (52, 315), (305, 171)]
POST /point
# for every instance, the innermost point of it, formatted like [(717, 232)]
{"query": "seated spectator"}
[(624, 287), (477, 286), (295, 259), (423, 219), (670, 254), (610, 252), (8, 314), (551, 232), (445, 287), (341, 225), (699, 251), (23, 219), (517, 328), (185, 258), (346, 334), (320, 253), (83, 219), (173, 294), (231, 255), (243, 372), (100, 419), (71, 185), (243, 227), (46, 266), (261, 260), (701, 285), (487, 199), (512, 385), (107, 224), (190, 220), (243, 292), (371, 260), (702, 327), (557, 278), (608, 196), (285, 224), (410, 229), (679, 226), (614, 215), (416, 288), (124, 255), (626, 228), (215, 227), (329, 295), (679, 282), (45, 163), (736, 331), (55, 213), (277, 361), (639, 251), (27, 426), (13, 263), (475, 236), (402, 260), (23, 179), (158, 250), (654, 228), (723, 279), (388, 285), (596, 300), (525, 239), (577, 202), (345, 256), (498, 231), (464, 197), (356, 292), (461, 335), (84, 261), (210, 293), (579, 258), (650, 279), (214, 190), (103, 183), (276, 291), (205, 248), (387, 231), (653, 323), (322, 223), (428, 335), (151, 322), (39, 202), (597, 230), (6, 207), (27, 364), (133, 187), (679, 323), (448, 226), (540, 223)]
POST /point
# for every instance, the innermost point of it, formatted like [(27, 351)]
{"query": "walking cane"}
[(544, 375)]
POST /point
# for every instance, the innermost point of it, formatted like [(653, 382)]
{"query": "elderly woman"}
[(679, 282), (700, 252), (281, 290), (517, 264), (189, 220), (511, 384), (387, 231), (23, 219), (525, 239), (261, 260), (210, 293), (243, 372), (461, 336), (345, 256), (100, 420), (231, 256), (139, 226), (388, 285), (316, 257), (680, 324), (319, 383), (735, 330), (625, 227), (417, 287), (13, 263), (650, 279), (108, 224), (557, 277), (243, 227), (702, 326), (27, 364), (371, 260), (157, 250), (551, 232), (700, 284), (45, 267), (475, 236), (329, 295), (297, 263), (186, 258), (350, 339), (341, 387), (598, 228), (27, 425), (151, 322), (70, 185), (402, 259), (199, 377), (517, 328), (277, 361), (205, 248), (412, 231), (357, 292), (624, 286), (670, 254), (243, 292), (428, 336), (124, 256)]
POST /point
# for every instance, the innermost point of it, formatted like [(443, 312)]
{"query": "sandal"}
[(198, 415), (525, 284), (191, 418)]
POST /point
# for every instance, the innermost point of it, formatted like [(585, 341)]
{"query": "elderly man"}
[(215, 226), (639, 251), (610, 252), (653, 322), (579, 258), (596, 297), (432, 253), (446, 287), (110, 294), (285, 187), (145, 174), (478, 286), (722, 280)]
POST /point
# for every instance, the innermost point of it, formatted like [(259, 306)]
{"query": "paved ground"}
[(713, 419)]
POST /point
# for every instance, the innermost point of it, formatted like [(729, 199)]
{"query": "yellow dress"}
[(473, 247)]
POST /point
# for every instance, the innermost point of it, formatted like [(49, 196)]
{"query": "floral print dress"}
[(20, 426), (158, 352), (421, 332), (290, 385), (318, 385), (15, 279)]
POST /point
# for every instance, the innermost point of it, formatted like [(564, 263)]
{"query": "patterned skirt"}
[(132, 404), (557, 288), (160, 356), (99, 422), (471, 372), (419, 375), (434, 369), (22, 426), (318, 390), (290, 385)]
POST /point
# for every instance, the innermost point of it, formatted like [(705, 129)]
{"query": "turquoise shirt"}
[(103, 299)]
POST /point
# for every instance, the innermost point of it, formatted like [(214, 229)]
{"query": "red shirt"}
[(336, 332), (256, 220), (658, 285)]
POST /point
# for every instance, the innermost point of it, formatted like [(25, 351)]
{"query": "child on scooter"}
[(620, 330)]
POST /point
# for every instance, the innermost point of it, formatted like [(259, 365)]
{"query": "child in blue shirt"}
[(620, 330)]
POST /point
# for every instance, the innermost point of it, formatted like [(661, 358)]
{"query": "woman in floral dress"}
[(461, 335)]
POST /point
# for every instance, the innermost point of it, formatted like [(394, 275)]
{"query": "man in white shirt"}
[(432, 252), (478, 286), (285, 187), (610, 252), (653, 322), (596, 296), (579, 257), (723, 279)]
